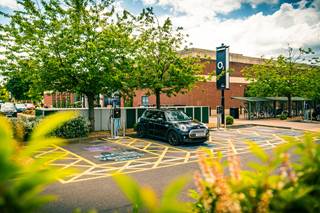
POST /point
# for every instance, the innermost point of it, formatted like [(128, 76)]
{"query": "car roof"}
[(162, 110)]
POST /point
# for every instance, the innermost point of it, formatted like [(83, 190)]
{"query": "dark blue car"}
[(171, 125)]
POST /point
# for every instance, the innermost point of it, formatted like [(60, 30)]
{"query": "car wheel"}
[(173, 138), (140, 132)]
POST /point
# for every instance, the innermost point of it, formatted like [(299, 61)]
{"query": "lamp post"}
[(222, 102)]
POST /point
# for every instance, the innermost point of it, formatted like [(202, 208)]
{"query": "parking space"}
[(105, 157)]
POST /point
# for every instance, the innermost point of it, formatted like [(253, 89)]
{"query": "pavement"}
[(156, 164), (295, 123)]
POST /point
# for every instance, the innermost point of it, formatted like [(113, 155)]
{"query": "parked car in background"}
[(21, 107), (316, 113), (30, 106), (9, 109), (171, 125)]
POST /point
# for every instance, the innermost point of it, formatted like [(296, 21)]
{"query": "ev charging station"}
[(115, 118)]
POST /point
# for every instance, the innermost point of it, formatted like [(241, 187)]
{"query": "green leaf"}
[(6, 134), (258, 151), (130, 188), (174, 188)]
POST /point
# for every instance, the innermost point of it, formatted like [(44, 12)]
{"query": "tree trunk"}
[(289, 106), (91, 111), (157, 93)]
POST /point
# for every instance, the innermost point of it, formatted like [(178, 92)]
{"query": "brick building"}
[(206, 93), (203, 94), (61, 100)]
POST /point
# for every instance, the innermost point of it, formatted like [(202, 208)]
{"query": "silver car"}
[(9, 109)]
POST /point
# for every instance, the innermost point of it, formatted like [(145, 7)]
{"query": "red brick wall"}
[(236, 67), (203, 94), (47, 98)]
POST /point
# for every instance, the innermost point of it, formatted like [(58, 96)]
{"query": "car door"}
[(147, 123), (160, 125)]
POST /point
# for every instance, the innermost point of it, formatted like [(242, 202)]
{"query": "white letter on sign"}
[(220, 65)]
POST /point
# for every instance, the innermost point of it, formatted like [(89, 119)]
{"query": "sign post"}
[(222, 73)]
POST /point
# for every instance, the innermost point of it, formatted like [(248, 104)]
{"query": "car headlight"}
[(205, 125), (183, 128)]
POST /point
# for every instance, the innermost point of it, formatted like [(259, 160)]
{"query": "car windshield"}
[(177, 116)]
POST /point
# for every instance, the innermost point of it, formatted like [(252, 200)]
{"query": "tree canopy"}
[(163, 70), (85, 47), (71, 46), (4, 94), (283, 76)]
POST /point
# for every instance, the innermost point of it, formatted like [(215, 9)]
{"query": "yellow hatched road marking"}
[(74, 154), (161, 157), (45, 152)]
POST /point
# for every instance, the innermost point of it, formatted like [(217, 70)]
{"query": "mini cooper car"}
[(171, 125)]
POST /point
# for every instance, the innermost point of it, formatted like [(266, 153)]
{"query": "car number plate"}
[(200, 134)]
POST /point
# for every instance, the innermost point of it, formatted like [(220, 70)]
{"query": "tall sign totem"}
[(222, 74)]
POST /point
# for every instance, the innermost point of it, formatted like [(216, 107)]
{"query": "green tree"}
[(284, 76), (19, 80), (4, 94), (73, 46), (313, 78), (18, 87), (163, 70)]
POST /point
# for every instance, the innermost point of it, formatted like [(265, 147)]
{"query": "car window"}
[(155, 115), (148, 114), (161, 115), (177, 116)]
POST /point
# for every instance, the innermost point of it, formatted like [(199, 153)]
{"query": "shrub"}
[(78, 127), (23, 127), (23, 179), (273, 184), (229, 120), (29, 112), (283, 116)]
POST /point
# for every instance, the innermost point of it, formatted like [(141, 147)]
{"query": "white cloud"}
[(205, 8), (254, 3), (256, 35), (12, 4)]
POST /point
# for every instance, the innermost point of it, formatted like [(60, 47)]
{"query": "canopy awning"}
[(249, 99), (286, 99), (261, 99)]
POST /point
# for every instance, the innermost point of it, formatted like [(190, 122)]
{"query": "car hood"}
[(189, 124)]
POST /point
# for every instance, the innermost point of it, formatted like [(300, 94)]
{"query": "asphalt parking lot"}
[(101, 158)]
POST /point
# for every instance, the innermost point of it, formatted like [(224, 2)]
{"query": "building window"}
[(145, 101)]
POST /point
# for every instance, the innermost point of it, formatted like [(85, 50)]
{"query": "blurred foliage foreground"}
[(273, 183), (23, 178)]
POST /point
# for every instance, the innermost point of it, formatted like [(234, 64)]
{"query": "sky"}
[(258, 28)]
